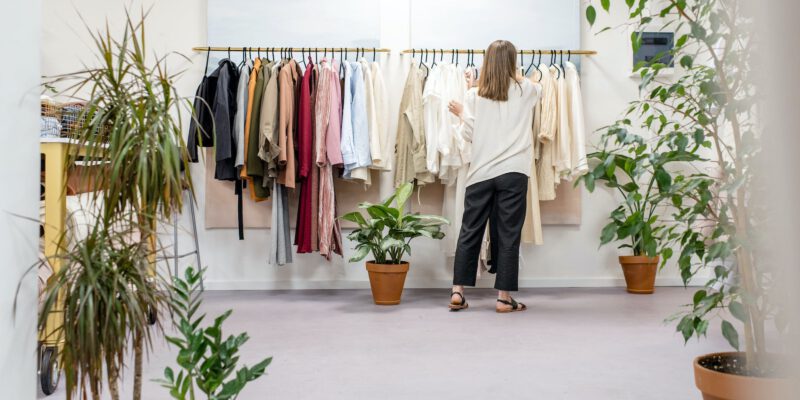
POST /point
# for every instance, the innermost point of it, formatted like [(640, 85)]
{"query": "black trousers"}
[(500, 200)]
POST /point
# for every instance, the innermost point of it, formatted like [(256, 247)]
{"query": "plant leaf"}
[(730, 334), (591, 14)]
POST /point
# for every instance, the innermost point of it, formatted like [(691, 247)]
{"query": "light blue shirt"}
[(346, 144), (359, 130)]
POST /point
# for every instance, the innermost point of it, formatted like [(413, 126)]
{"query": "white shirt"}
[(578, 163), (499, 132), (381, 113)]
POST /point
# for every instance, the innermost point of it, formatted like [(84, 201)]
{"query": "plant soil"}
[(735, 364)]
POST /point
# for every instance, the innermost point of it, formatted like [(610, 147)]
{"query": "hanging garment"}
[(410, 149), (327, 137), (563, 138), (305, 163), (577, 125), (356, 167), (268, 149), (314, 167), (287, 80), (547, 133), (455, 89), (241, 111), (432, 117), (272, 163), (371, 113), (384, 162), (248, 119), (532, 227), (201, 126), (224, 108), (280, 247), (346, 145), (256, 168)]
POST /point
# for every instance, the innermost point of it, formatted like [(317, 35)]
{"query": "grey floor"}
[(571, 344)]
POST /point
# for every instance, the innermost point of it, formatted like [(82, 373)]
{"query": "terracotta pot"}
[(640, 273), (722, 386), (387, 281)]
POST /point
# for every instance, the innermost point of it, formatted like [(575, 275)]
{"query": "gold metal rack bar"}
[(294, 49), (481, 51)]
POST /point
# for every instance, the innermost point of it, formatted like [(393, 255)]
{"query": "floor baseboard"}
[(429, 284)]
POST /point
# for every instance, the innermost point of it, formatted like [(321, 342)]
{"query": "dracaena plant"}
[(133, 129), (388, 229), (708, 110)]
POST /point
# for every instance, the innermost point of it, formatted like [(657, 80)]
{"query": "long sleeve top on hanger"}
[(305, 163), (327, 152), (375, 152), (496, 154), (451, 159), (201, 126), (287, 80), (241, 111), (256, 168), (578, 161), (251, 88), (410, 143), (563, 138), (268, 149), (224, 107), (357, 169), (432, 117), (546, 135), (346, 145), (383, 162)]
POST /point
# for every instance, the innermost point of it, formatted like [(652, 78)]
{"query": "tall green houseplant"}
[(133, 129), (707, 111)]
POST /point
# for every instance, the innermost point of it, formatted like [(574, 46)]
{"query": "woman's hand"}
[(455, 108)]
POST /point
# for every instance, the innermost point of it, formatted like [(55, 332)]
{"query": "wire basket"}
[(61, 120)]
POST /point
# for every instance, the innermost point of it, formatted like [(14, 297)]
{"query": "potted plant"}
[(636, 170), (107, 291), (710, 109), (387, 233)]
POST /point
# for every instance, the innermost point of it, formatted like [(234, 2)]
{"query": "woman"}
[(496, 119)]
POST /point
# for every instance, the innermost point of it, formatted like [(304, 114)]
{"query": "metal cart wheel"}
[(49, 370)]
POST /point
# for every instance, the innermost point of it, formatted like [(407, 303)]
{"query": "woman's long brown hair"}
[(499, 69)]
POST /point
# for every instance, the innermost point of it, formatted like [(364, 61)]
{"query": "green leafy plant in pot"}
[(637, 171), (387, 234), (710, 108)]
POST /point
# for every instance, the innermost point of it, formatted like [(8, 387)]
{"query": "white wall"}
[(19, 129), (569, 257)]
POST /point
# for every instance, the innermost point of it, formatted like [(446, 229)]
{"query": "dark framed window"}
[(656, 47)]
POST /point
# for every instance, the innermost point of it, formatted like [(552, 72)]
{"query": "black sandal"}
[(458, 306), (514, 306)]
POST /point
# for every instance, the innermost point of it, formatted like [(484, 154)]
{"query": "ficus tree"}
[(705, 118)]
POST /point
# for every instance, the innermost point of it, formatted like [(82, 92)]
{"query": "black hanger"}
[(533, 57), (229, 53), (569, 55), (373, 54), (441, 55), (208, 56), (434, 58)]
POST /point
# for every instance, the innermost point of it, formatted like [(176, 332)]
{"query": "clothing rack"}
[(481, 51), (292, 49)]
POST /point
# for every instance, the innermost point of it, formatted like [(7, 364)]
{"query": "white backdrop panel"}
[(298, 23)]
